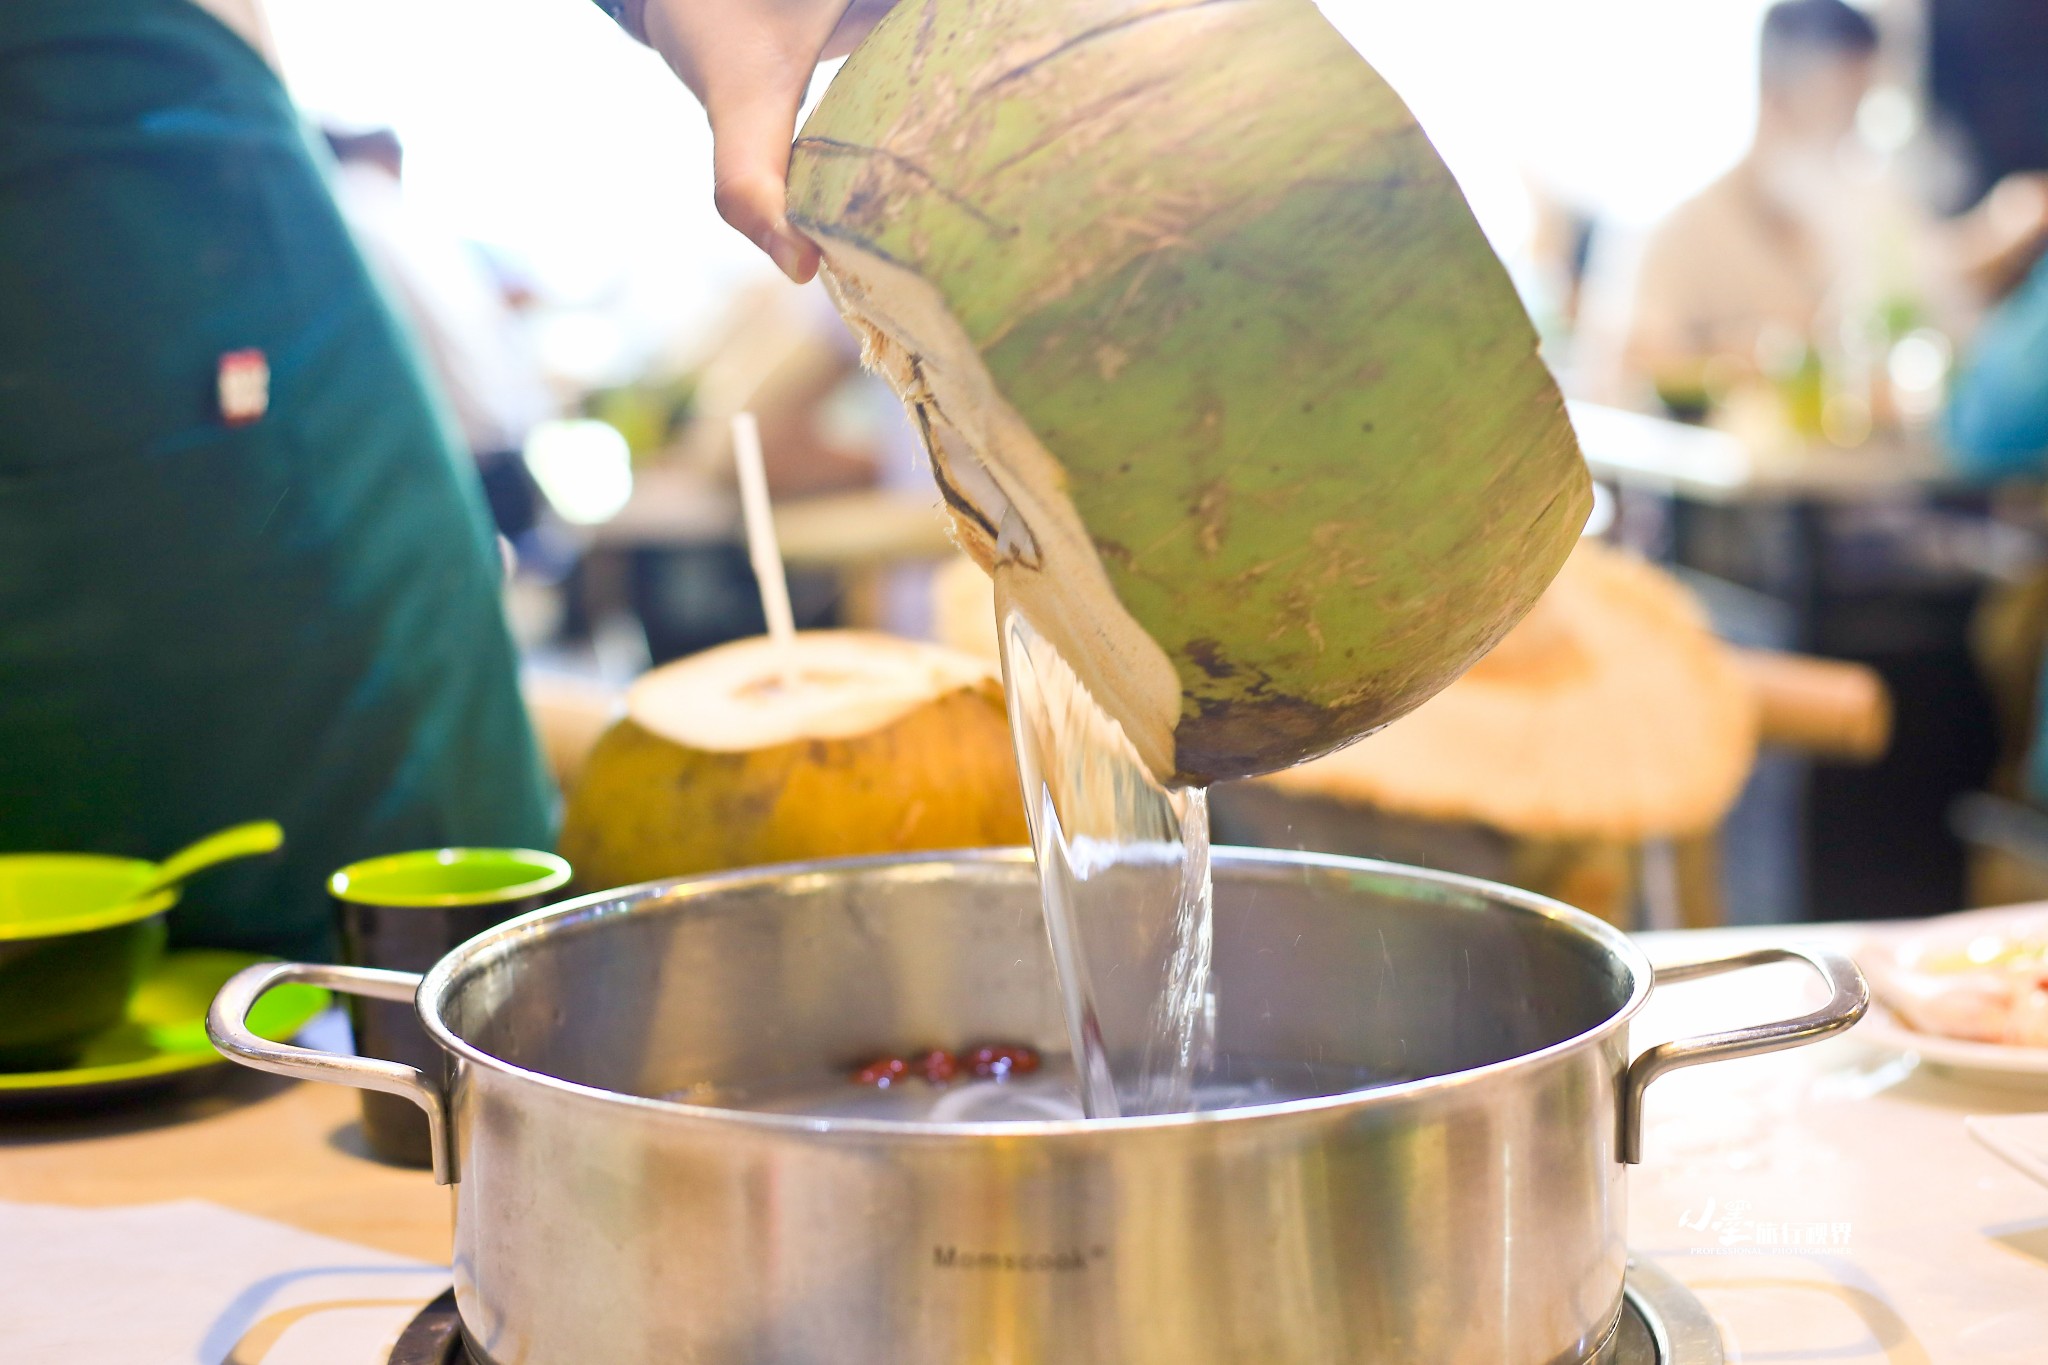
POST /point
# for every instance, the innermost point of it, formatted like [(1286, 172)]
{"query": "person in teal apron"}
[(223, 600)]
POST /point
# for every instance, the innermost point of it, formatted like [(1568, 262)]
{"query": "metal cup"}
[(404, 912)]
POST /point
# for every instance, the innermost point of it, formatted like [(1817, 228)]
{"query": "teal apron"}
[(200, 623)]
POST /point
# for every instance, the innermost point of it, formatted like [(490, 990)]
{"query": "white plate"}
[(2024, 1066), (2022, 1139), (2011, 1065)]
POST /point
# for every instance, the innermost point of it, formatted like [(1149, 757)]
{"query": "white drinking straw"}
[(762, 550)]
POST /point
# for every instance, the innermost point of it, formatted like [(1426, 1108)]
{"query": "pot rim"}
[(436, 985)]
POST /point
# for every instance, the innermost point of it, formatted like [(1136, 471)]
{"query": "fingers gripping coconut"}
[(1207, 346)]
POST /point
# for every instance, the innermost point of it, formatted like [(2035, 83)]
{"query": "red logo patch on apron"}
[(244, 387)]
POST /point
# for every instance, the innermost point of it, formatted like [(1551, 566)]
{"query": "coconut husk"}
[(1610, 712)]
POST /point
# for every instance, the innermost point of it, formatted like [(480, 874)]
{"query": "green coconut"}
[(1207, 347)]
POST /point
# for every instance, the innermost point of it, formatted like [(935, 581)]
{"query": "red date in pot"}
[(882, 1073), (1000, 1062), (991, 1062)]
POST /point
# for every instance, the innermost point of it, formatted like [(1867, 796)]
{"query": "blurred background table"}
[(1875, 555)]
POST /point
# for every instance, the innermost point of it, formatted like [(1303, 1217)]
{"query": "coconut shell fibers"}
[(1610, 712), (1205, 341)]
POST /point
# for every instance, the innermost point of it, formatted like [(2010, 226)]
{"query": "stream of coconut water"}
[(1123, 870)]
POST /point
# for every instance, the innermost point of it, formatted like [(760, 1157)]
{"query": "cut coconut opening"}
[(1006, 493), (757, 694)]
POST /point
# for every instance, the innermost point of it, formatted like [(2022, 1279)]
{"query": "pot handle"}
[(227, 1024), (1849, 998)]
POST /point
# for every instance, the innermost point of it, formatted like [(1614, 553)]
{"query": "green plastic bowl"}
[(75, 938)]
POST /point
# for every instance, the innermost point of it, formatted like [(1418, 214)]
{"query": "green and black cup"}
[(404, 912)]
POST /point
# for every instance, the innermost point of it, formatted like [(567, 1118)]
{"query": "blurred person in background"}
[(1997, 420), (1761, 248), (1808, 248), (1996, 428), (245, 567), (475, 343)]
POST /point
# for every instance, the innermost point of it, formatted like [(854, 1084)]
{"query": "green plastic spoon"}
[(239, 841)]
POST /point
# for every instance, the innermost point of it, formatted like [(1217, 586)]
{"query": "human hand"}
[(749, 62)]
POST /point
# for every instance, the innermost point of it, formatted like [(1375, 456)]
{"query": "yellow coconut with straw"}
[(794, 746), (830, 744), (1611, 712), (1609, 721)]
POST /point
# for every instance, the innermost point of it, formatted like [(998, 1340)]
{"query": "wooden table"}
[(1702, 464), (259, 1144)]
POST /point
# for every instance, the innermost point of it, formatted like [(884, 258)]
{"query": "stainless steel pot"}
[(1473, 1213)]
